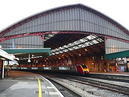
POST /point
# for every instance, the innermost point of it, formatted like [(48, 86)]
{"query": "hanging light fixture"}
[(29, 58)]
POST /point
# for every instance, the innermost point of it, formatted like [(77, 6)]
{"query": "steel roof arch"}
[(31, 18)]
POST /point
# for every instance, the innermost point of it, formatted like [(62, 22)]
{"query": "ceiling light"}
[(79, 54), (85, 49)]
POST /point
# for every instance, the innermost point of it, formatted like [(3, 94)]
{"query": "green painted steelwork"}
[(28, 50), (117, 55)]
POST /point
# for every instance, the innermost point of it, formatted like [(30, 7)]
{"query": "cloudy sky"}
[(12, 11)]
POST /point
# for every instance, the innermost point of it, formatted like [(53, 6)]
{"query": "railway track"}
[(99, 84), (65, 92), (119, 78)]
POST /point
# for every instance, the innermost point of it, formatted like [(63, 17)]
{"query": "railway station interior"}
[(82, 36), (60, 39)]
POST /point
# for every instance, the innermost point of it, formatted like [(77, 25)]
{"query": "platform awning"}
[(23, 52), (117, 55), (5, 55), (27, 50)]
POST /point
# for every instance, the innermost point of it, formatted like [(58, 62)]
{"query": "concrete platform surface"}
[(23, 84)]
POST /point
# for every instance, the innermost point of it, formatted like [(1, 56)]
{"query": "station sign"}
[(64, 68), (34, 68), (47, 68), (23, 68), (14, 67)]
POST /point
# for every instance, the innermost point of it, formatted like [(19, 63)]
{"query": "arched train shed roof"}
[(69, 18)]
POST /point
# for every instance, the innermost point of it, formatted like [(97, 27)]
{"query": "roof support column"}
[(2, 71), (1, 66), (42, 37)]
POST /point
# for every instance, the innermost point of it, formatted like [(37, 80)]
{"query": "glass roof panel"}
[(95, 41), (81, 43)]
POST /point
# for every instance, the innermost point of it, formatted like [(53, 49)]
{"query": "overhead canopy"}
[(5, 55), (23, 52), (27, 50), (117, 55)]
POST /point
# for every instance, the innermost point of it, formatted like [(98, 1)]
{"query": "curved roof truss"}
[(78, 18)]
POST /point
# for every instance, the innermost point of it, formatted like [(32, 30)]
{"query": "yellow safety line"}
[(39, 88)]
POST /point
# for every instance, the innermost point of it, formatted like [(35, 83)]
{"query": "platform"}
[(23, 84)]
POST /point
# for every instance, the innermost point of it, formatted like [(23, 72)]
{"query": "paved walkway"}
[(24, 84)]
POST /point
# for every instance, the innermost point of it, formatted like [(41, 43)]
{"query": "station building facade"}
[(76, 34)]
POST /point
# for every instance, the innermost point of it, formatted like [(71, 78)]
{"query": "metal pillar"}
[(42, 37), (1, 68), (13, 43), (2, 71)]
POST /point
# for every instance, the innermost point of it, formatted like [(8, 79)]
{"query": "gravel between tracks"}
[(65, 92), (86, 90)]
